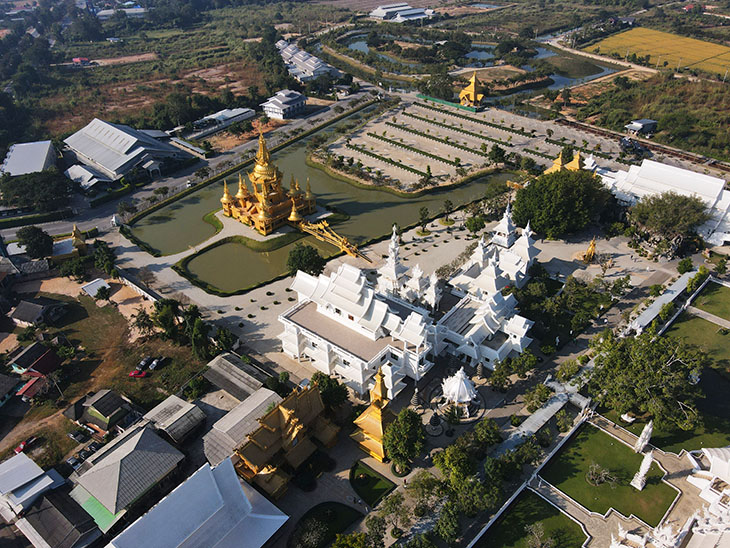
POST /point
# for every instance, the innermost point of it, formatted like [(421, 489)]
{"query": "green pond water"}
[(233, 266)]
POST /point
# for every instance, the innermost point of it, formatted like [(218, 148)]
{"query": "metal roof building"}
[(25, 158), (285, 104), (115, 149), (176, 417), (212, 509), (229, 373)]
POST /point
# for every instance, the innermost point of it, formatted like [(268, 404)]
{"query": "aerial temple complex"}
[(269, 206), (471, 95)]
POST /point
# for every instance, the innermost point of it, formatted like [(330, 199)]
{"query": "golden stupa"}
[(576, 164), (471, 95), (372, 422), (268, 207)]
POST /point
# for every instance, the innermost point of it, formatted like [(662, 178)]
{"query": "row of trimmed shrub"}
[(536, 153), (398, 144), (437, 139), (366, 152), (475, 120), (460, 130), (582, 149)]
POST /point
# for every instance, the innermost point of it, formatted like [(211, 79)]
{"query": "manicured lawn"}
[(702, 333), (567, 472), (369, 485), (335, 517), (715, 299), (527, 509), (714, 412)]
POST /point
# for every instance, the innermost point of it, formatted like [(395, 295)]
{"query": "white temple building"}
[(655, 178), (344, 327), (711, 474)]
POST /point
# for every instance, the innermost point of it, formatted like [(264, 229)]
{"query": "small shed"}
[(93, 287), (642, 126), (176, 417)]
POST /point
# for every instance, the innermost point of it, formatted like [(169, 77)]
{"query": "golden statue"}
[(269, 206), (590, 253), (471, 95)]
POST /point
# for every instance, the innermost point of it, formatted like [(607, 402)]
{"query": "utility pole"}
[(679, 63), (657, 61), (723, 78)]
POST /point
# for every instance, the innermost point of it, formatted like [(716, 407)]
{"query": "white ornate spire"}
[(639, 480), (644, 438), (392, 273), (504, 232)]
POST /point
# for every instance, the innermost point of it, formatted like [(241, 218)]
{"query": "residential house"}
[(34, 311), (25, 158), (101, 410), (231, 430), (284, 104), (284, 439), (213, 508), (55, 520), (35, 360), (176, 417), (116, 149), (22, 481), (120, 474)]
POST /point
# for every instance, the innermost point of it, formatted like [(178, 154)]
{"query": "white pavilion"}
[(459, 390)]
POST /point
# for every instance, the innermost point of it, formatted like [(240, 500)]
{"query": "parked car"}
[(24, 445), (74, 462), (94, 446), (144, 363), (85, 454), (137, 374), (79, 436), (156, 363)]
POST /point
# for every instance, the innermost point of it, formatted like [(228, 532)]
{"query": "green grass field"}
[(370, 486), (715, 299), (527, 509), (705, 334), (567, 471)]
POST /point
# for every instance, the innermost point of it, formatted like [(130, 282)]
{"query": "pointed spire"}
[(308, 194), (294, 216), (242, 189), (262, 156), (379, 392), (226, 199), (527, 230)]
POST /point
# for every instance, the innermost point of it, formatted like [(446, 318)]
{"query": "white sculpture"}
[(459, 390), (639, 480), (621, 532), (644, 438)]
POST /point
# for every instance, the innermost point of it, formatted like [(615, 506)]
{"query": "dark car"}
[(79, 436), (94, 446), (85, 454), (144, 362), (74, 462)]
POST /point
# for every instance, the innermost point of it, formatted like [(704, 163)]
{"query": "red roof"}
[(32, 387)]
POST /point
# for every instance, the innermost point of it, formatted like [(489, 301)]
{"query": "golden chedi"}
[(268, 207), (371, 424), (471, 95)]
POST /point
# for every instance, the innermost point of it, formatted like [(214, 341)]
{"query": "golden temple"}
[(471, 95), (269, 206), (371, 424), (576, 164)]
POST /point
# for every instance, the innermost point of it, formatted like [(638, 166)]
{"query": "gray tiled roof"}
[(228, 372), (128, 467), (61, 521), (7, 384), (176, 417)]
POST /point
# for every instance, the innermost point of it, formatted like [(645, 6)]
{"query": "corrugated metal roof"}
[(26, 158)]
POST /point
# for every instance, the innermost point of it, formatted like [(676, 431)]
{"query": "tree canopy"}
[(404, 438), (669, 214), (43, 191), (333, 393), (305, 258), (647, 374), (561, 203), (37, 242)]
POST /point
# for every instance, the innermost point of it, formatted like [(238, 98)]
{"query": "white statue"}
[(644, 438), (639, 480)]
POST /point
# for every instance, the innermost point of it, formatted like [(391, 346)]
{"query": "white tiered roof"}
[(459, 388)]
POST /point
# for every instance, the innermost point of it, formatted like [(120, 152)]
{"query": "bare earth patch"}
[(125, 60)]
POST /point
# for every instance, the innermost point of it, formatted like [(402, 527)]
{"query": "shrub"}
[(685, 265), (567, 370), (563, 420), (516, 420)]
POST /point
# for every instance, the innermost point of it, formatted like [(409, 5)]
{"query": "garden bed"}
[(330, 518), (369, 485)]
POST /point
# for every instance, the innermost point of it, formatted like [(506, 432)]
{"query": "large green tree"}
[(43, 191), (38, 244), (305, 258), (647, 374), (333, 393), (404, 438), (670, 215), (561, 203)]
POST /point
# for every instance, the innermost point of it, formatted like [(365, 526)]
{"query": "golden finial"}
[(242, 188), (262, 157), (294, 216), (308, 194), (226, 195), (292, 186)]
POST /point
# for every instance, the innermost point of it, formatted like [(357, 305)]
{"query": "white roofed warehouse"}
[(25, 158), (116, 149)]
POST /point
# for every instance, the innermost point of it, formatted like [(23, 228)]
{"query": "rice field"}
[(675, 50)]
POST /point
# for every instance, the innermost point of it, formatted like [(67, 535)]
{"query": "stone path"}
[(717, 320)]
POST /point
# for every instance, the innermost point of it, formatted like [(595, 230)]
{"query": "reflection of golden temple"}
[(471, 95), (372, 422), (270, 207), (324, 233), (590, 253), (576, 164)]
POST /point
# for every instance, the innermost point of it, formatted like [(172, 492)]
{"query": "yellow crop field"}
[(664, 46)]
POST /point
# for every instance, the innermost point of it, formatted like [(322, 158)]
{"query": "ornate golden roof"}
[(308, 194), (242, 188), (264, 169), (226, 199)]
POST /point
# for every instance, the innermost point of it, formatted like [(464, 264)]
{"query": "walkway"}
[(717, 320), (598, 527)]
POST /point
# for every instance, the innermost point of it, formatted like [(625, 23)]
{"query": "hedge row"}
[(475, 120), (366, 152), (437, 139), (582, 149), (36, 218), (412, 149), (536, 153), (460, 130)]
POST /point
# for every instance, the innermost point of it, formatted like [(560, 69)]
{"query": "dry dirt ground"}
[(126, 59), (68, 114), (369, 5), (4, 33), (226, 140), (458, 11), (492, 74)]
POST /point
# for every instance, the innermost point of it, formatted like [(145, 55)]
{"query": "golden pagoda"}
[(471, 95), (268, 207), (372, 422), (559, 164), (78, 241)]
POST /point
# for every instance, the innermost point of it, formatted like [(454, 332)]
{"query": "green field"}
[(567, 471), (705, 334), (675, 50), (715, 299), (370, 486), (527, 509)]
